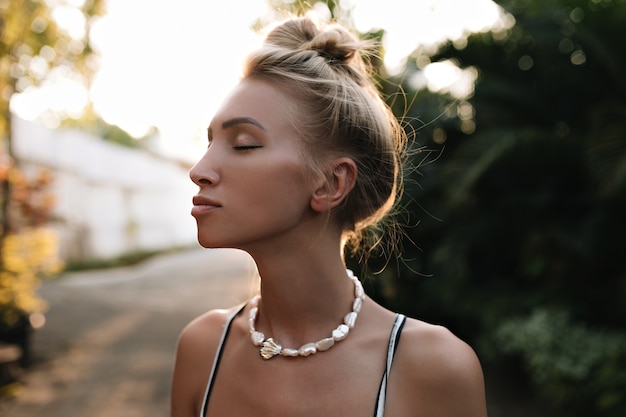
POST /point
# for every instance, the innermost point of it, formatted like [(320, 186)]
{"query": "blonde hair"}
[(339, 111)]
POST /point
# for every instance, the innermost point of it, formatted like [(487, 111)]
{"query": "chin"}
[(206, 242), (211, 243)]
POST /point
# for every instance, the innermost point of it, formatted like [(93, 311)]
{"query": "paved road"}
[(108, 344)]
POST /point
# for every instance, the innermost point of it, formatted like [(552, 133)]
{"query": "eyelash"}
[(246, 147)]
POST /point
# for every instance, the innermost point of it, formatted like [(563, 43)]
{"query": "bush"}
[(570, 364), (26, 258), (28, 253)]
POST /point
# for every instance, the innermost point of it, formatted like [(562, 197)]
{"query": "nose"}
[(203, 172)]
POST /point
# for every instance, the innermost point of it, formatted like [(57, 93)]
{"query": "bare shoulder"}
[(441, 369), (206, 329), (435, 348), (197, 346)]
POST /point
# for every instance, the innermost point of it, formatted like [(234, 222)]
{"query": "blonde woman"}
[(302, 156)]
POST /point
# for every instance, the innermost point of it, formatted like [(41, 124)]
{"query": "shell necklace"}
[(270, 348)]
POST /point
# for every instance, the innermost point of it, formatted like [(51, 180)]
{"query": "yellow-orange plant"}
[(28, 249)]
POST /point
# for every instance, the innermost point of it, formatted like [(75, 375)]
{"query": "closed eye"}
[(246, 147)]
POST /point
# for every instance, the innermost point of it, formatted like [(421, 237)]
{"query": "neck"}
[(270, 348), (305, 292)]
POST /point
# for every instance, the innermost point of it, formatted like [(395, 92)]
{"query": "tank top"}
[(394, 338)]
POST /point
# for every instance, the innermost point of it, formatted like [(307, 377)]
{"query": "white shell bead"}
[(356, 305), (324, 344), (341, 332), (257, 338), (289, 352), (253, 312), (308, 349), (358, 290), (350, 319)]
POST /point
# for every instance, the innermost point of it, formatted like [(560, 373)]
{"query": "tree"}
[(527, 260), (32, 46)]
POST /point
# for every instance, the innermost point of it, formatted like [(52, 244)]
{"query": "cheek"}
[(284, 183)]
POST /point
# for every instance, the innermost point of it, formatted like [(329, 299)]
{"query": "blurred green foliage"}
[(579, 367), (523, 210)]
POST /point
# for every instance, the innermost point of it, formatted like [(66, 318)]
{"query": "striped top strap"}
[(394, 338), (216, 361)]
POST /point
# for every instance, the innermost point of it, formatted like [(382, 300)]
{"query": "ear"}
[(333, 189)]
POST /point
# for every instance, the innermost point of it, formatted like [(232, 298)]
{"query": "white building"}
[(110, 200)]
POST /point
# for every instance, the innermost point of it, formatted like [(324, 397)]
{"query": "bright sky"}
[(169, 64)]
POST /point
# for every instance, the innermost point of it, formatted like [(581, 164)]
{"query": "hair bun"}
[(334, 42)]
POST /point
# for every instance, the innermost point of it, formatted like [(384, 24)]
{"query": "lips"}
[(203, 205)]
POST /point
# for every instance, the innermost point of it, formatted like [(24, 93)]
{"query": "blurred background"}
[(511, 228)]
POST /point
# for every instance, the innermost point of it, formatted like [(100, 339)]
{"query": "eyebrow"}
[(241, 120)]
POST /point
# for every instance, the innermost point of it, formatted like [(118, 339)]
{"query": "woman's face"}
[(253, 187)]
